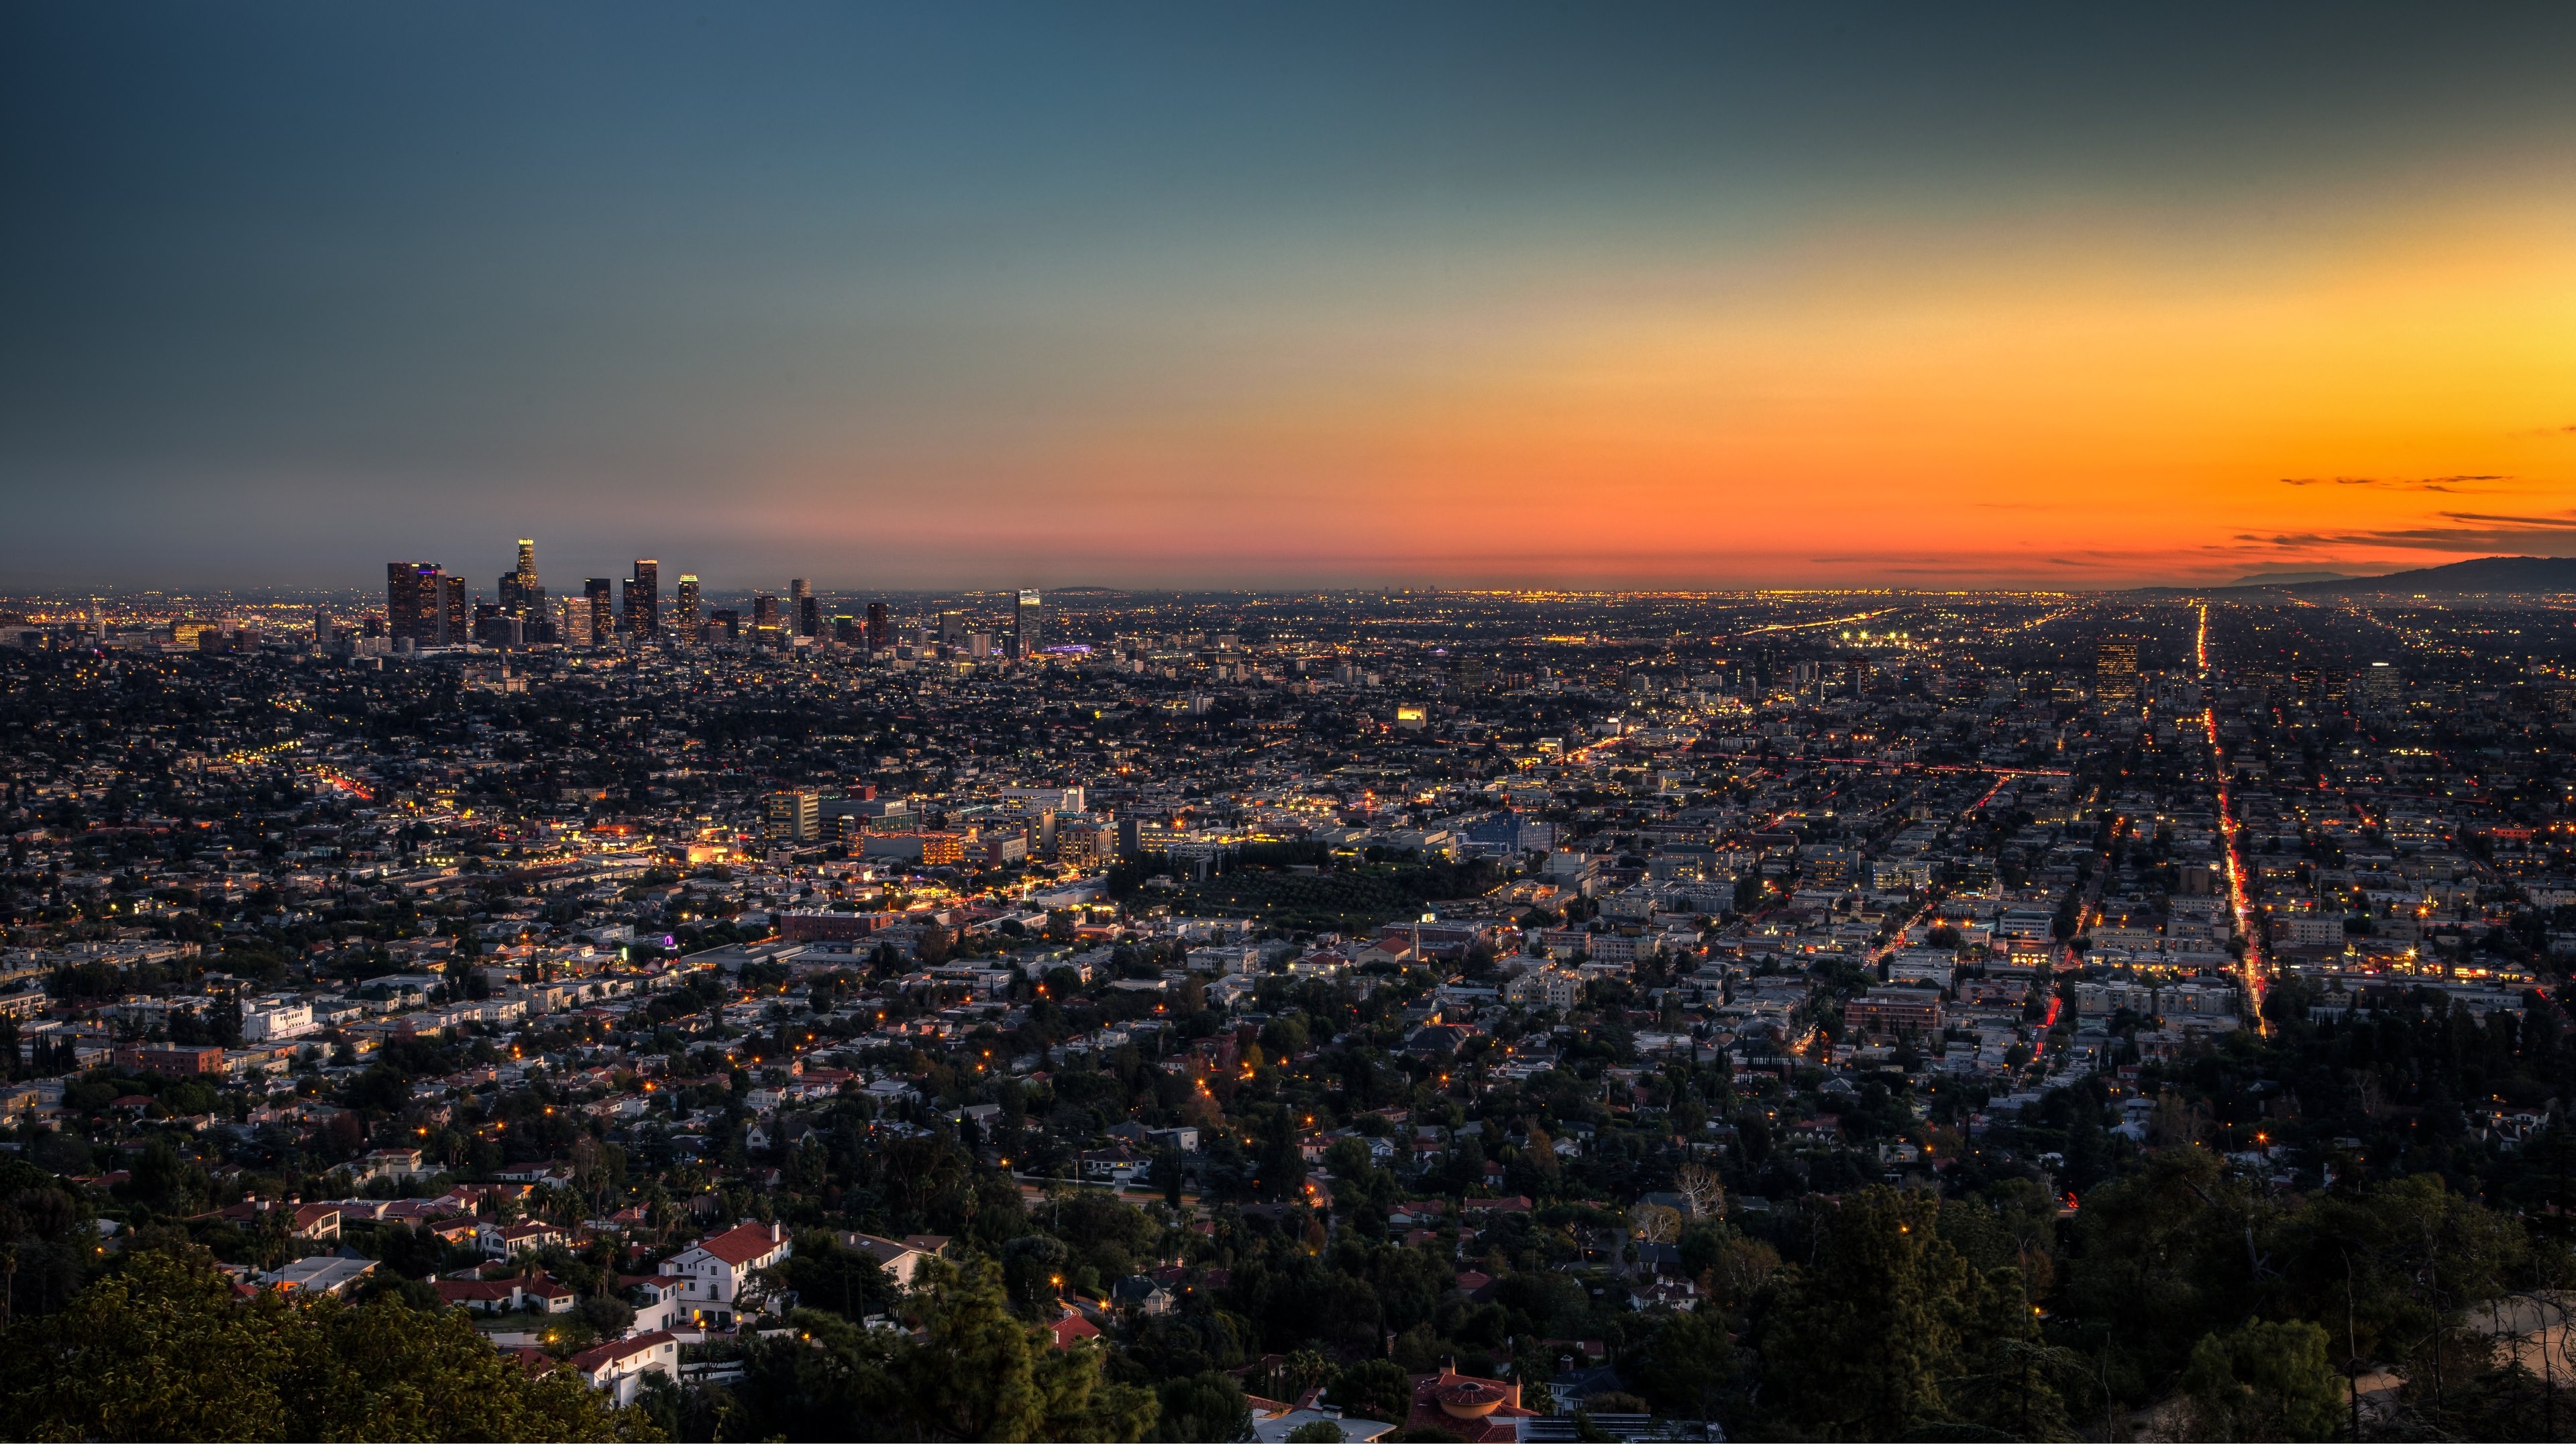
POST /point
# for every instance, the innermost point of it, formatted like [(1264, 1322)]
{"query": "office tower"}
[(764, 618), (575, 627), (952, 626), (726, 623), (411, 602), (809, 610), (2115, 672), (2381, 686), (880, 632), (453, 612), (1028, 624), (644, 599), (519, 595), (603, 612), (795, 815), (684, 616)]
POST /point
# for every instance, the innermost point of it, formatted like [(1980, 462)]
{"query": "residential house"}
[(498, 1241), (307, 1277), (620, 1367), (717, 1269), (903, 1262)]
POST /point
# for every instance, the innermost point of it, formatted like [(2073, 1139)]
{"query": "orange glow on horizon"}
[(2072, 407)]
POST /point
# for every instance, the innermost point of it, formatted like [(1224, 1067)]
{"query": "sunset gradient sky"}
[(934, 295)]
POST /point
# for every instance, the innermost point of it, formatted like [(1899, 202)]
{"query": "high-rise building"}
[(952, 626), (519, 595), (809, 610), (2382, 685), (684, 614), (411, 602), (764, 618), (603, 611), (644, 599), (1028, 625), (880, 632), (455, 613), (795, 815), (2115, 672)]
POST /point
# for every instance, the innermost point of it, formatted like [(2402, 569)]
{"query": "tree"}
[(1205, 1408), (1655, 1223), (1079, 1408), (1374, 1388), (2264, 1382), (608, 1317), (163, 1349), (973, 1377), (1033, 1269), (1857, 1345), (1686, 1367), (835, 1279), (1701, 1189)]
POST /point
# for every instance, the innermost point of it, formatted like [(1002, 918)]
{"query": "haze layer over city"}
[(1473, 724)]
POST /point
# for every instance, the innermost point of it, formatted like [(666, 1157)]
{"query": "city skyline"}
[(902, 300)]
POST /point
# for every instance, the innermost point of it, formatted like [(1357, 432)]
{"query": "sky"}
[(988, 294)]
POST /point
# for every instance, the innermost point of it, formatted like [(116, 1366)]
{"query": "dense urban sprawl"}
[(1415, 1015)]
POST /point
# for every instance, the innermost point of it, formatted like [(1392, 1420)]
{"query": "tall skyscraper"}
[(1028, 625), (880, 632), (644, 599), (809, 610), (603, 615), (2115, 672), (519, 597), (453, 613), (764, 618), (684, 614), (411, 602)]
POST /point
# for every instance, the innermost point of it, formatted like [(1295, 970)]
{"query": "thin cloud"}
[(2456, 532), (2443, 483)]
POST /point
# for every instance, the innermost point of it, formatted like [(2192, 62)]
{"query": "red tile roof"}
[(589, 1359), (1494, 1427), (740, 1245)]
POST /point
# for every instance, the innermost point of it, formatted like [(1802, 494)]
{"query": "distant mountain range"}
[(2466, 576), (2274, 581), (2469, 576)]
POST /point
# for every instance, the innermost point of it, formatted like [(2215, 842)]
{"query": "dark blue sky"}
[(960, 293)]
